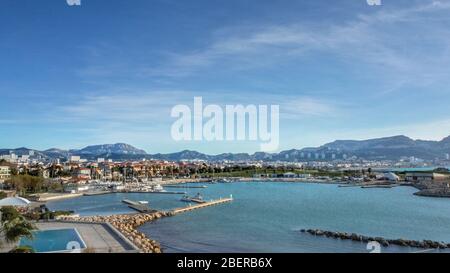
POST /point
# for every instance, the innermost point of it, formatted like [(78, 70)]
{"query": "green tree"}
[(22, 249), (9, 214), (3, 194), (14, 229), (25, 183)]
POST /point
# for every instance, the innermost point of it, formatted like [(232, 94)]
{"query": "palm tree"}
[(16, 228)]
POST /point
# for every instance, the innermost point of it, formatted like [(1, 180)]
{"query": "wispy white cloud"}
[(154, 107), (408, 45), (308, 107)]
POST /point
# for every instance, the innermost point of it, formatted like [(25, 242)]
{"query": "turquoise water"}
[(52, 240), (266, 217)]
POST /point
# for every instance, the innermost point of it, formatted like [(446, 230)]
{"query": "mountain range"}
[(388, 148)]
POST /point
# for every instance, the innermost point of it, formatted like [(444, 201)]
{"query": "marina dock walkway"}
[(185, 187), (202, 205), (142, 208)]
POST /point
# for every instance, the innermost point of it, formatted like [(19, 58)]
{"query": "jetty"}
[(142, 208), (158, 192), (130, 202), (425, 244), (186, 187), (97, 193), (378, 187), (203, 204), (198, 201)]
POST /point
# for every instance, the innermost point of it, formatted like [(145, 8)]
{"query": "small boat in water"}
[(224, 180), (143, 202), (186, 198), (158, 188), (198, 198)]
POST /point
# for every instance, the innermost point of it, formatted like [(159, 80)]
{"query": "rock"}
[(384, 243), (354, 237), (442, 245), (319, 233)]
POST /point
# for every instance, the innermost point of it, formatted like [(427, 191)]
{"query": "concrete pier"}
[(185, 187), (203, 205), (142, 208)]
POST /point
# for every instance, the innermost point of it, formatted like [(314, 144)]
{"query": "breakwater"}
[(127, 224), (426, 244), (442, 193)]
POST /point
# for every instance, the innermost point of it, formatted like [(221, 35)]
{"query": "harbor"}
[(264, 205), (127, 225)]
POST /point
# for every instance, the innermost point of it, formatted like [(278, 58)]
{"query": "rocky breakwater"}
[(425, 244), (127, 224)]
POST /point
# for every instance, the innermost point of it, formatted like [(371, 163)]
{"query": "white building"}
[(391, 177), (304, 175), (289, 175), (14, 202), (5, 173), (426, 177), (74, 158), (73, 188)]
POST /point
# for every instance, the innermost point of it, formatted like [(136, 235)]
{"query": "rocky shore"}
[(127, 224), (425, 244), (443, 193), (429, 189)]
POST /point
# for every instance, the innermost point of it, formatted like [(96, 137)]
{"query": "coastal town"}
[(223, 135), (27, 183), (77, 175)]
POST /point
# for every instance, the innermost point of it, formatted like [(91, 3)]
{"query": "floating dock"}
[(97, 193), (203, 205), (185, 187), (158, 192), (142, 208), (130, 202), (198, 201), (378, 187)]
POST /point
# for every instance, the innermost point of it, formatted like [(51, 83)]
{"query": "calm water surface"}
[(266, 217)]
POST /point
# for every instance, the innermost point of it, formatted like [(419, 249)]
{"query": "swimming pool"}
[(58, 240)]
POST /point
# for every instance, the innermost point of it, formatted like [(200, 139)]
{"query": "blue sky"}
[(110, 71)]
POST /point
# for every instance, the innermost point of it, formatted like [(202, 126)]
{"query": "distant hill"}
[(118, 148), (392, 148), (388, 148)]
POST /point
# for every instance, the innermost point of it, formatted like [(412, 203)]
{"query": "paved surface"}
[(98, 238), (4, 246)]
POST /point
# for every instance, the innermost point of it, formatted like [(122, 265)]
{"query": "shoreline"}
[(127, 225), (423, 192)]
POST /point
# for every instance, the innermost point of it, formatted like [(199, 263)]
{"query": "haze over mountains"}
[(388, 148)]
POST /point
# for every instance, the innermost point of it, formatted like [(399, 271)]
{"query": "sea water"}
[(267, 217)]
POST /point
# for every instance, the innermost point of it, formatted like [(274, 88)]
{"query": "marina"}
[(261, 218)]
